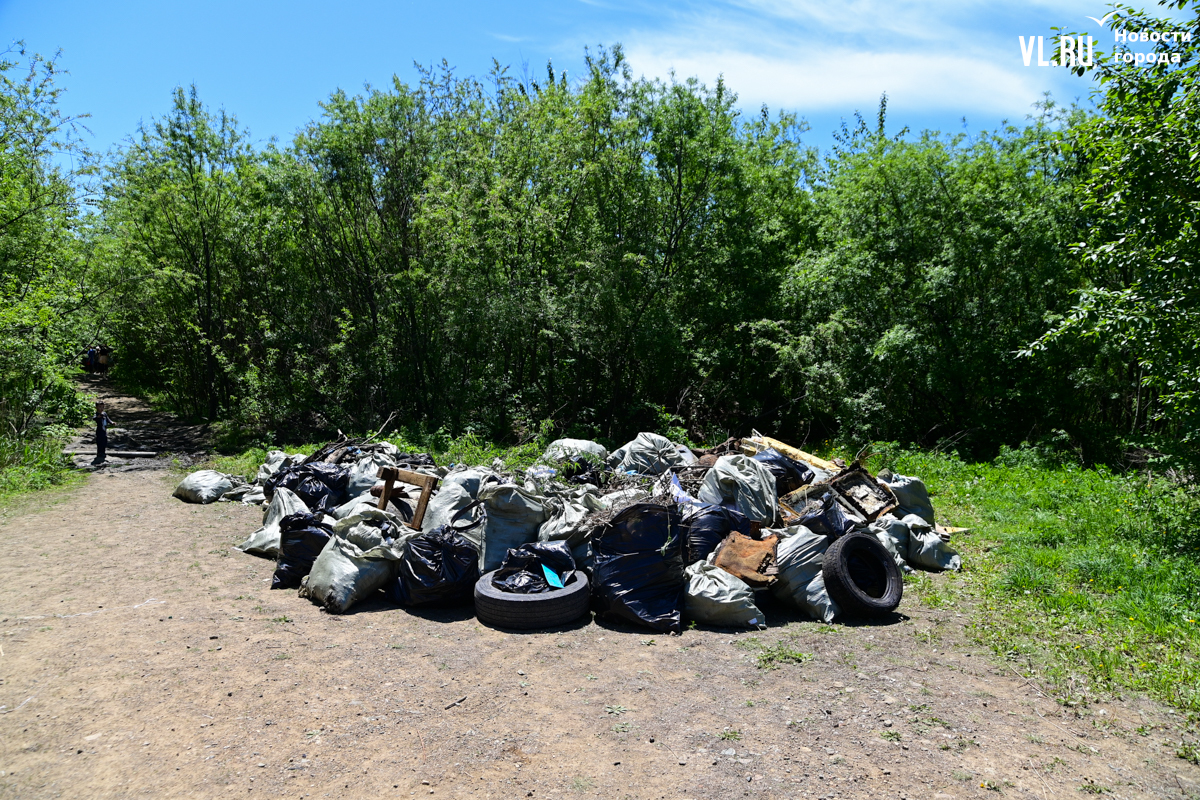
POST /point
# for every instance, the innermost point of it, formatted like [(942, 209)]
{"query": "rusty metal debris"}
[(755, 561)]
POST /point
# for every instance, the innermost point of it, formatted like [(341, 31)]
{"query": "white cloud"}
[(808, 56), (843, 79), (924, 20)]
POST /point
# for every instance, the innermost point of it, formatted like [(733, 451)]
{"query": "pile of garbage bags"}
[(653, 534)]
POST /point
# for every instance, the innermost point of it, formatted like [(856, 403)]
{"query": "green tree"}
[(935, 260), (1142, 296), (601, 246), (42, 287), (350, 188), (178, 214)]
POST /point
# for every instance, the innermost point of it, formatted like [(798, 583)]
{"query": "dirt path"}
[(137, 426), (141, 656)]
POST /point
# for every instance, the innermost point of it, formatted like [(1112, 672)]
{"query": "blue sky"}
[(271, 63)]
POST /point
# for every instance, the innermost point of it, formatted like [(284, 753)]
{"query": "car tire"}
[(861, 576), (531, 611)]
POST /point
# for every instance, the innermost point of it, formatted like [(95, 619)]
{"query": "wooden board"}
[(763, 442), (426, 483)]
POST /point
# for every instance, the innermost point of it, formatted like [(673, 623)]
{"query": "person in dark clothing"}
[(102, 423)]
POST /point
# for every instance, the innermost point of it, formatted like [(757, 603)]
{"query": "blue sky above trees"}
[(270, 63)]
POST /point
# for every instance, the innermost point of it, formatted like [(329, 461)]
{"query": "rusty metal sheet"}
[(752, 560)]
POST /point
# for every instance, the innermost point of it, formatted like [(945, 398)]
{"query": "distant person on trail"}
[(102, 423), (91, 359)]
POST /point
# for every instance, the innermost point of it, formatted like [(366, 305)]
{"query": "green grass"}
[(35, 463), (1093, 788), (1083, 579), (246, 463), (778, 654)]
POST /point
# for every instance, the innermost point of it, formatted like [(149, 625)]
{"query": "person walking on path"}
[(102, 423)]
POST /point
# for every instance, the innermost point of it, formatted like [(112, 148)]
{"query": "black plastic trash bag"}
[(639, 572), (438, 568), (579, 470), (522, 573), (824, 516), (302, 537), (320, 485), (789, 474), (706, 526), (414, 461)]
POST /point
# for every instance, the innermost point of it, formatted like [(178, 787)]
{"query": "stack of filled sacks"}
[(736, 494), (650, 548), (321, 485)]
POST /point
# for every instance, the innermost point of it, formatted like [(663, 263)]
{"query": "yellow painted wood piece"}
[(764, 442)]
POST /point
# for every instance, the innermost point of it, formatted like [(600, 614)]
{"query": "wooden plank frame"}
[(856, 474), (427, 484)]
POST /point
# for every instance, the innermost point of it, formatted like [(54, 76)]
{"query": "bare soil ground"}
[(141, 656)]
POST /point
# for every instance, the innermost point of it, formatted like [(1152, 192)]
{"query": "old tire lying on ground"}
[(861, 576), (531, 611)]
